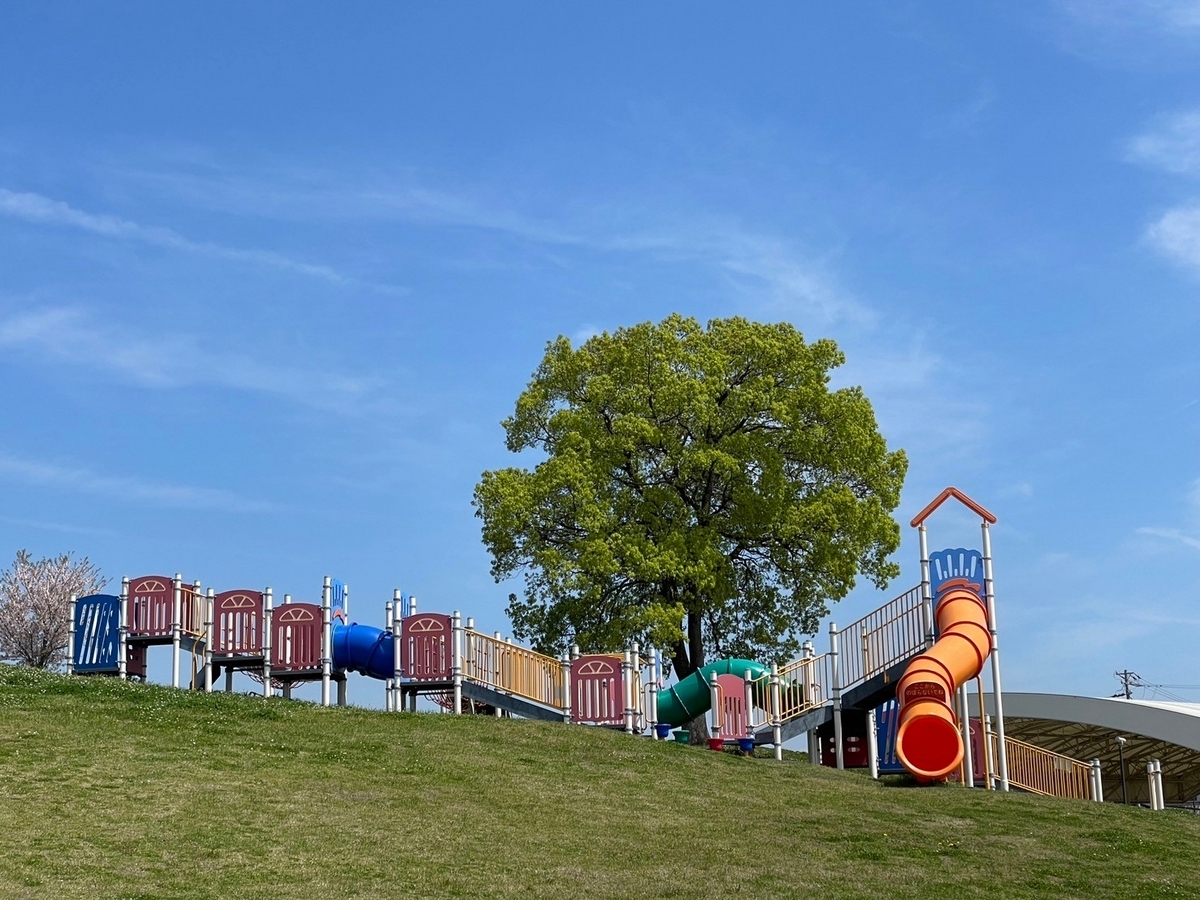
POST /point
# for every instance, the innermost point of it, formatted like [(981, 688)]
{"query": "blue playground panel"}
[(97, 633), (945, 565)]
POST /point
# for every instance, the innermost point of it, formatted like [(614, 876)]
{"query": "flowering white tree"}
[(35, 597)]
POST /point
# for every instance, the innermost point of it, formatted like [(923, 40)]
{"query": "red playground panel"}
[(296, 637), (135, 661), (425, 653), (238, 623), (735, 718), (151, 606), (596, 690)]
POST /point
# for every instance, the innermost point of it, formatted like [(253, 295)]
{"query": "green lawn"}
[(119, 790)]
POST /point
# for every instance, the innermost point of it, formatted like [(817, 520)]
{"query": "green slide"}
[(692, 697)]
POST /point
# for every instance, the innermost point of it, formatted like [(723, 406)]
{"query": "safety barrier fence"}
[(513, 669), (804, 685), (1044, 772), (888, 635)]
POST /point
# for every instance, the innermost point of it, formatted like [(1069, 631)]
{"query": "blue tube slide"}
[(363, 649)]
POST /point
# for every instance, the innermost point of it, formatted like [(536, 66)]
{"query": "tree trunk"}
[(688, 657)]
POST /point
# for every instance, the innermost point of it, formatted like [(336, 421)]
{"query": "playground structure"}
[(890, 694)]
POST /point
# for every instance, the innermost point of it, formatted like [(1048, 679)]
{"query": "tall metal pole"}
[(209, 629), (837, 696), (268, 608), (71, 635), (926, 587), (326, 639), (123, 632), (176, 603), (989, 589), (809, 699), (1121, 756), (456, 661), (776, 713), (965, 722)]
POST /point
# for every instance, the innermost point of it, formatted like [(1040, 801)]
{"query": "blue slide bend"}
[(364, 649)]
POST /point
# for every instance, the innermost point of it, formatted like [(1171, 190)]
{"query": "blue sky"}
[(272, 274)]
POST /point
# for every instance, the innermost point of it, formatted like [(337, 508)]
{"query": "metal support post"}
[(1121, 757), (176, 602), (716, 710), (926, 587), (71, 635), (123, 632), (872, 745), (627, 684), (565, 664), (775, 712), (398, 650), (342, 691), (456, 661), (965, 722), (989, 590), (652, 695), (834, 655), (268, 604), (1097, 782), (748, 700), (809, 699), (326, 639), (209, 630)]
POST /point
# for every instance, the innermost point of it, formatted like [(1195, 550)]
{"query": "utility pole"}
[(1128, 681)]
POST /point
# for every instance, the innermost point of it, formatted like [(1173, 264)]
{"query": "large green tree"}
[(700, 488)]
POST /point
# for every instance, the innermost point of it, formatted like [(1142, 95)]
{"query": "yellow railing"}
[(512, 669), (878, 640), (803, 685), (192, 608), (1041, 771)]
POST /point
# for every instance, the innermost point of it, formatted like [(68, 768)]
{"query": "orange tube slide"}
[(928, 740)]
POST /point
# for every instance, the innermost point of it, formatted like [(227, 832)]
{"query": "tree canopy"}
[(701, 488)]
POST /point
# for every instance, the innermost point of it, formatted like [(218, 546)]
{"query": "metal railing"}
[(1044, 772), (513, 669), (880, 639), (804, 684)]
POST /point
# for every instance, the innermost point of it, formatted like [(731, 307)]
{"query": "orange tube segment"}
[(928, 741)]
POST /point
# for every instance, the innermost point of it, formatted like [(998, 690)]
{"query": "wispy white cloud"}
[(1176, 235), (1170, 16), (1172, 144), (1171, 534), (57, 526), (1185, 536), (781, 278), (125, 488), (43, 210), (584, 334), (73, 337)]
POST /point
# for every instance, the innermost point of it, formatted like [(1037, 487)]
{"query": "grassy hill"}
[(114, 790)]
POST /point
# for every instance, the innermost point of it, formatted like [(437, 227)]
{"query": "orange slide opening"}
[(928, 741)]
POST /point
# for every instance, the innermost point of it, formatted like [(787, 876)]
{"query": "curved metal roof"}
[(1087, 727)]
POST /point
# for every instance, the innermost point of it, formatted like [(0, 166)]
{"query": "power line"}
[(1129, 680)]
